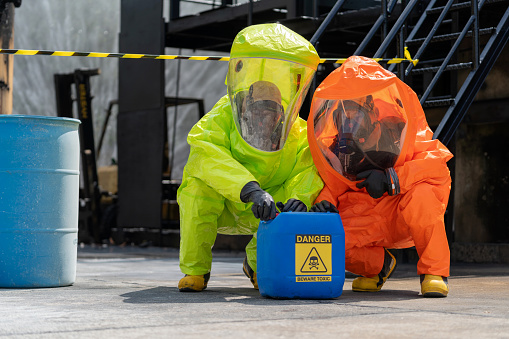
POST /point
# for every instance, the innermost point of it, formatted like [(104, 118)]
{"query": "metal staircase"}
[(446, 38)]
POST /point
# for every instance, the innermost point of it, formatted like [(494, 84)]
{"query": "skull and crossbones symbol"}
[(313, 262)]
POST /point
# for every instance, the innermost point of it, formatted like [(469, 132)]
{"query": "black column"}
[(141, 119)]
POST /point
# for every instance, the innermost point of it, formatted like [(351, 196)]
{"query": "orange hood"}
[(358, 77)]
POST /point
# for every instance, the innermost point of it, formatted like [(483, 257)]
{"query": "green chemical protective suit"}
[(269, 66)]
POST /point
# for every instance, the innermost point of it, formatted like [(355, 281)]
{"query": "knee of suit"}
[(424, 204)]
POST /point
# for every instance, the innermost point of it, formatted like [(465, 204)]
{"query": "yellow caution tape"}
[(407, 58)]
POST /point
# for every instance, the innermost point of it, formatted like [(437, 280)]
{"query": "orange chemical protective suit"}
[(415, 216)]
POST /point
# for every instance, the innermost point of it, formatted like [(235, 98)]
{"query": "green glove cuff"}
[(248, 189)]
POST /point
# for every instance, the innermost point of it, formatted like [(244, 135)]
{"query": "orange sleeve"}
[(326, 194), (428, 164)]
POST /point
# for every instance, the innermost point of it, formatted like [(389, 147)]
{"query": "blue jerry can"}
[(301, 255)]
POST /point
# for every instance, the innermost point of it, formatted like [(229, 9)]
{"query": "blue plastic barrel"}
[(301, 255), (39, 193)]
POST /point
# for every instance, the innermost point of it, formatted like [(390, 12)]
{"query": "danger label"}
[(313, 255)]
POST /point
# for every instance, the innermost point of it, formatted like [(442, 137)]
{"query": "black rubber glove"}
[(292, 205), (323, 206), (376, 182), (263, 207)]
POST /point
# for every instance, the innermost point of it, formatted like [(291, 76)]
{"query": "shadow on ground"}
[(249, 296)]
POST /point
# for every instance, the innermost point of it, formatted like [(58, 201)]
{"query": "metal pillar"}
[(141, 118)]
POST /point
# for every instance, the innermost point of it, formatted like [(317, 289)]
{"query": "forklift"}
[(98, 208), (90, 209)]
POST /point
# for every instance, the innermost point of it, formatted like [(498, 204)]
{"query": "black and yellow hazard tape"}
[(174, 57), (109, 55), (407, 58)]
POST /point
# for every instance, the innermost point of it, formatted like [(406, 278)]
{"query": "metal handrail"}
[(475, 34), (491, 51), (395, 29), (416, 28), (447, 59), (326, 22), (480, 64), (431, 34), (375, 28)]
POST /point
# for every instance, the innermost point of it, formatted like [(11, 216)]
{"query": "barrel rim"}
[(38, 117)]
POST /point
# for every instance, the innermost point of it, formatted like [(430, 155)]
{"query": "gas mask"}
[(360, 134), (265, 96), (261, 122)]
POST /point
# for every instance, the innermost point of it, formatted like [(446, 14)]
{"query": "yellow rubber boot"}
[(374, 284), (434, 286), (248, 271), (194, 283)]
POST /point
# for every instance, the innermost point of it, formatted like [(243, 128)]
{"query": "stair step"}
[(451, 36), (455, 7), (452, 67), (461, 5), (439, 102)]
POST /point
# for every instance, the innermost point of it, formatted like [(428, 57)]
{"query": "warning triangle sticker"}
[(313, 263)]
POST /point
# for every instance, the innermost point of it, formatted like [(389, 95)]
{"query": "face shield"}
[(360, 134), (266, 96)]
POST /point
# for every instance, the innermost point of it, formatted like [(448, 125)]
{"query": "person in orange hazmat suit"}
[(385, 175)]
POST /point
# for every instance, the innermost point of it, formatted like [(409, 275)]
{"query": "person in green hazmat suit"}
[(250, 151)]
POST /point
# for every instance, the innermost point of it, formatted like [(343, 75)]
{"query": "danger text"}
[(312, 238)]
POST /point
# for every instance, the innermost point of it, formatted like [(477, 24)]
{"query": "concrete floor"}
[(132, 293)]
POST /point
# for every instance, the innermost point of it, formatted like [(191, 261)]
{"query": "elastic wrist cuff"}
[(393, 180)]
